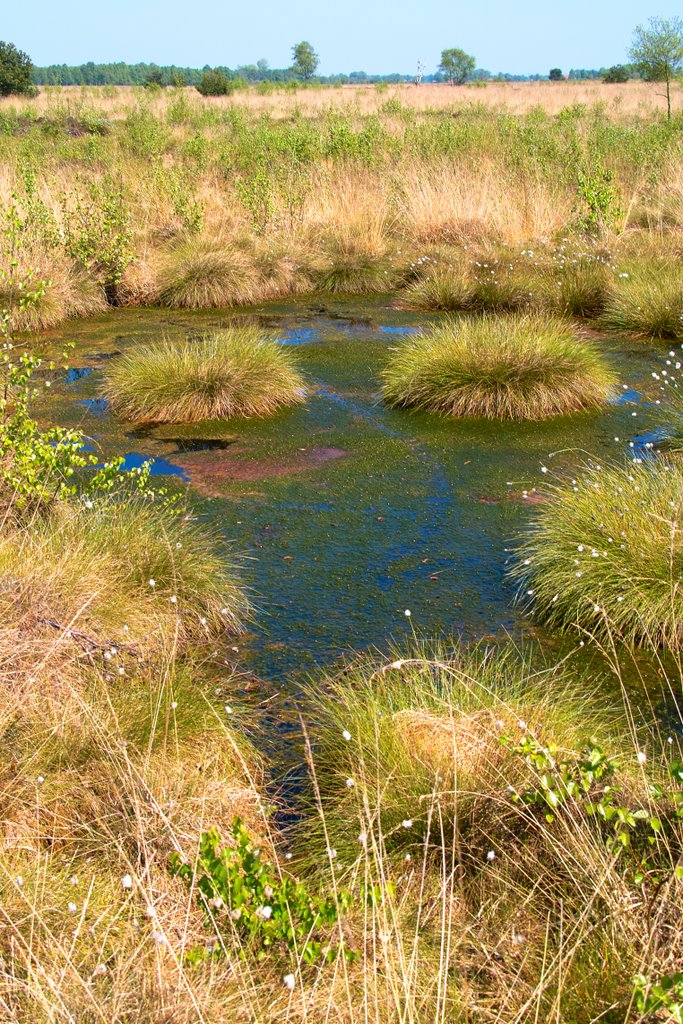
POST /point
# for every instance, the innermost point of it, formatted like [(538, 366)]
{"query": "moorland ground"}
[(482, 835)]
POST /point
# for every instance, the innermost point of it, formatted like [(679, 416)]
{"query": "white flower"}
[(152, 583), (41, 780), (265, 913), (331, 852), (346, 735), (174, 705), (236, 914), (289, 981), (490, 855), (350, 783), (642, 757), (100, 969), (216, 903), (19, 880), (407, 613), (407, 823), (74, 879), (173, 599), (127, 882), (228, 709)]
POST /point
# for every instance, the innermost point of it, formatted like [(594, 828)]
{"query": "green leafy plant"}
[(97, 232), (601, 198), (241, 892), (664, 995), (587, 779)]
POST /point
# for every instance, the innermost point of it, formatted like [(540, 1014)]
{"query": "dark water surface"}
[(349, 513)]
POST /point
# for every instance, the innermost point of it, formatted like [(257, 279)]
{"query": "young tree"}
[(214, 83), (15, 71), (457, 65), (556, 75), (658, 52), (305, 60), (616, 75)]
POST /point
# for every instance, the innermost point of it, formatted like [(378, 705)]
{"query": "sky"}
[(379, 36)]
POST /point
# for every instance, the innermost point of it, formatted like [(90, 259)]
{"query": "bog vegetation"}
[(479, 833)]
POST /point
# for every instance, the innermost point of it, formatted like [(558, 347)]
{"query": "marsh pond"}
[(345, 514)]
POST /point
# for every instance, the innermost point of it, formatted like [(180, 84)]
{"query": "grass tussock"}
[(648, 302), (418, 774), (205, 273), (605, 554), (521, 368), (121, 573), (348, 265), (237, 372), (579, 288)]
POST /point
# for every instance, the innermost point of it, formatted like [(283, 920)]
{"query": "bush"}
[(215, 83), (15, 72), (231, 373), (201, 273), (648, 302), (605, 554), (518, 368)]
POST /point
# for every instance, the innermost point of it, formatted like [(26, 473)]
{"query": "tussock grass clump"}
[(500, 286), (236, 372), (580, 288), (446, 290), (351, 266), (605, 554), (403, 727), (520, 368), (205, 273), (648, 302), (122, 572)]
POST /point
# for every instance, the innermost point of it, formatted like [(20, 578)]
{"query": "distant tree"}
[(214, 83), (658, 52), (457, 66), (615, 75), (154, 79), (178, 79), (306, 60), (15, 71), (556, 75)]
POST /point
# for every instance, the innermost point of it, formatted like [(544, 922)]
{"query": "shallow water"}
[(348, 512)]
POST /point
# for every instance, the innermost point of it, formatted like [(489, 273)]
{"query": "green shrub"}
[(648, 301), (521, 368), (231, 373), (215, 83), (605, 554)]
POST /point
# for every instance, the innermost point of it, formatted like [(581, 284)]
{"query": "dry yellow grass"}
[(631, 98)]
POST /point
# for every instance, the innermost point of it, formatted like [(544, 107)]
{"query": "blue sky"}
[(369, 35)]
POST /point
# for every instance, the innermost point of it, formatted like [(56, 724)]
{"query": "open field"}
[(407, 361), (627, 100)]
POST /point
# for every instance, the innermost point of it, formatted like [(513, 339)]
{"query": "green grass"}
[(237, 372), (648, 302), (205, 273), (121, 571), (445, 289), (578, 288), (423, 727), (349, 268), (605, 554), (524, 367)]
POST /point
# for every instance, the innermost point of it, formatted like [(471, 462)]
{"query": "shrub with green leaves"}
[(604, 553), (521, 368), (247, 898), (237, 372)]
